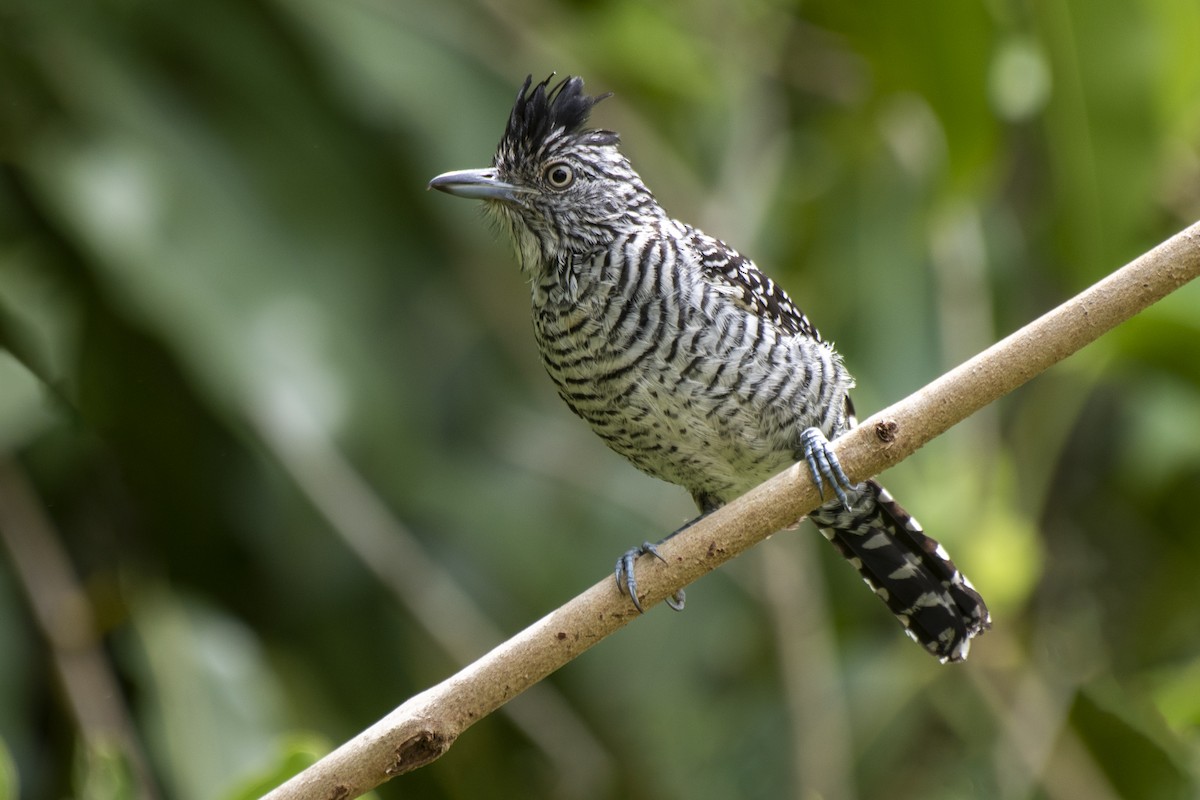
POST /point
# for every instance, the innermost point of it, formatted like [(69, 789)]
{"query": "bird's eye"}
[(559, 176)]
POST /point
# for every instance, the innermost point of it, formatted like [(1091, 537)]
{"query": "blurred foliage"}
[(245, 356)]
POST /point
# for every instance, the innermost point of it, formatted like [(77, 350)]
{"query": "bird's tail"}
[(911, 573)]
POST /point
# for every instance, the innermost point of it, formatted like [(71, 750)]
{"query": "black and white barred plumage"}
[(686, 359)]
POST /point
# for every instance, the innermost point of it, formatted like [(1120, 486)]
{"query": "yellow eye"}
[(559, 175)]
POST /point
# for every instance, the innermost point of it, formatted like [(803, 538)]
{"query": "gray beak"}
[(477, 184)]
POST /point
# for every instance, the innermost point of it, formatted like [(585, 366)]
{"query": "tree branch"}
[(424, 727)]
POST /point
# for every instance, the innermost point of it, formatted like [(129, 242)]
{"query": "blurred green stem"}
[(64, 615)]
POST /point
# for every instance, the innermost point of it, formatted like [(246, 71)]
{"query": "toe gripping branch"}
[(822, 463), (627, 583), (824, 466)]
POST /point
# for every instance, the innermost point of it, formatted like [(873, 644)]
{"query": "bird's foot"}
[(824, 466), (627, 582)]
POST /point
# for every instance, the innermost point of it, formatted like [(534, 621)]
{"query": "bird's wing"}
[(736, 277)]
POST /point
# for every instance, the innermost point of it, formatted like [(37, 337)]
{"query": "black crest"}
[(547, 110)]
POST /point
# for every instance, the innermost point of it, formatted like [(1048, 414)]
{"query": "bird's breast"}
[(661, 386)]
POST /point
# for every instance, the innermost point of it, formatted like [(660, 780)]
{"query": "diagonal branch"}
[(425, 726)]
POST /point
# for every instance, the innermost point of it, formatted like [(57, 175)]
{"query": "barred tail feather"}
[(909, 571)]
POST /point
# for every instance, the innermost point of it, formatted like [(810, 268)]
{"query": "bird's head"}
[(558, 187)]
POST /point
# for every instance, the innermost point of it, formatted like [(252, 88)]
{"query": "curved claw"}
[(627, 582), (823, 465)]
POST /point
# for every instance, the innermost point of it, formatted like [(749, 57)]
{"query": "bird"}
[(687, 359)]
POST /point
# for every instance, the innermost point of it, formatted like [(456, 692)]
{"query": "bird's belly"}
[(703, 464), (703, 438)]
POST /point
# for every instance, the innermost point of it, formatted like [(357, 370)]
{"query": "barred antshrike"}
[(689, 361)]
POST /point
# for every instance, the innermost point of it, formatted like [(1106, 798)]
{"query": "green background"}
[(283, 413)]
